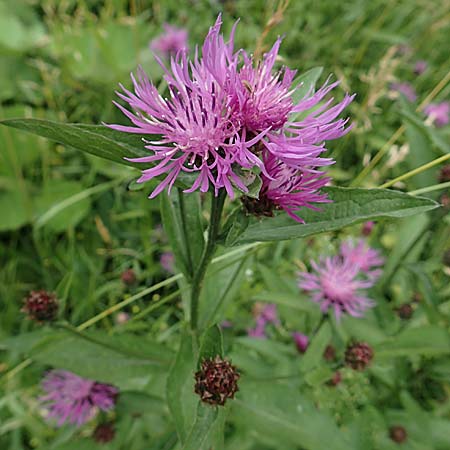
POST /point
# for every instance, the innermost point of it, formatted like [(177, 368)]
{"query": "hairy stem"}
[(213, 231)]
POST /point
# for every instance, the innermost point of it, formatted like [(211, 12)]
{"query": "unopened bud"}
[(41, 306), (358, 355)]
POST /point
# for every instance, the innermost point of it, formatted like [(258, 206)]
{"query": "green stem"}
[(213, 231), (185, 233)]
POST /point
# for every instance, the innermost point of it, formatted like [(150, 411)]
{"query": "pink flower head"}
[(301, 341), (420, 67), (265, 105), (438, 113), (72, 399), (259, 330), (362, 256), (171, 41), (269, 314), (336, 285), (223, 113), (167, 262), (405, 89), (289, 188)]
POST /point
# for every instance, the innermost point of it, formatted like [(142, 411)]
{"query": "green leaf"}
[(206, 416), (306, 83), (180, 387), (181, 216), (314, 353), (94, 139), (426, 340), (211, 344), (96, 361), (349, 206), (279, 416), (17, 213)]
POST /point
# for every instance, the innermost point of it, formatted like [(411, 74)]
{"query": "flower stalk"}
[(217, 204)]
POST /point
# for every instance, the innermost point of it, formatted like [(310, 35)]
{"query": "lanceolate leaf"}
[(206, 416), (349, 206), (97, 140)]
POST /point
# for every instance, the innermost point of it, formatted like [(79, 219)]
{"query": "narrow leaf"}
[(349, 206), (206, 415)]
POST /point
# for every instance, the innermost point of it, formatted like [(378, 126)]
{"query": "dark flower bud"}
[(446, 258), (367, 228), (335, 379), (405, 311), (358, 355), (105, 432), (128, 277), (41, 306), (330, 353), (444, 174), (445, 200), (398, 434), (216, 381)]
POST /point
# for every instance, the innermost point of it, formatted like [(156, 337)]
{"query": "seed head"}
[(444, 174), (128, 277), (330, 353), (104, 433), (216, 381), (335, 379), (358, 355), (405, 311), (41, 306), (398, 434)]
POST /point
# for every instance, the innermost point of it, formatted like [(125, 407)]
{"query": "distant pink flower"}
[(167, 262), (269, 314), (362, 256), (420, 67), (406, 89), (171, 41), (438, 113), (226, 324), (301, 341), (259, 330), (335, 285), (72, 399)]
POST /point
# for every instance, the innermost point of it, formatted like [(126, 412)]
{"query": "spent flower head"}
[(216, 381), (73, 399), (41, 306)]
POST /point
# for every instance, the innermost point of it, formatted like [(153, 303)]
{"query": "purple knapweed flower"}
[(167, 261), (224, 113), (336, 284), (420, 67), (406, 89), (269, 314), (438, 113), (72, 399), (265, 105), (301, 341), (288, 188), (363, 256), (172, 41)]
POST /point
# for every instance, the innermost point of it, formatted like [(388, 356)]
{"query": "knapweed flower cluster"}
[(338, 283), (71, 399), (438, 113), (227, 117)]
